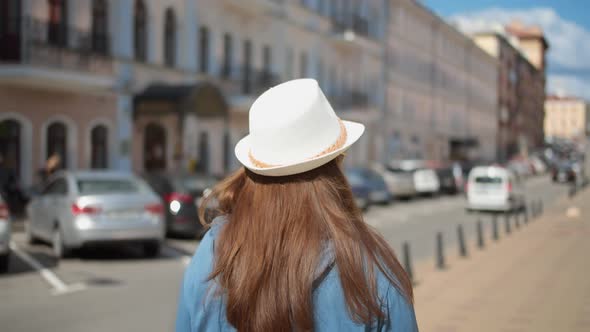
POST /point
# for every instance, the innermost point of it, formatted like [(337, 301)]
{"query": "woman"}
[(290, 251)]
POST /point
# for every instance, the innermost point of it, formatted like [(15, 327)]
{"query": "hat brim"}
[(354, 131)]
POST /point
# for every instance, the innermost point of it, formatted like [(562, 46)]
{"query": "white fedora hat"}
[(294, 129)]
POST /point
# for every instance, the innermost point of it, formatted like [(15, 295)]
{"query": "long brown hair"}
[(268, 251)]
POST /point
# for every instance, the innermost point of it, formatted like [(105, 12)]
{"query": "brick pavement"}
[(535, 279)]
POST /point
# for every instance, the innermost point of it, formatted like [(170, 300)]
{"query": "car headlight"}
[(174, 206)]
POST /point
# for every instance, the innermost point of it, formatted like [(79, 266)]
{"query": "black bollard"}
[(507, 221), (525, 211), (495, 227), (440, 258), (408, 261), (516, 219), (461, 239), (480, 242)]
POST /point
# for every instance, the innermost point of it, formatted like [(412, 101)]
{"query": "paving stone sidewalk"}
[(535, 279)]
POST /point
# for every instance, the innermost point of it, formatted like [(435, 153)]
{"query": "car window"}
[(192, 184), (354, 178), (488, 179), (56, 187), (106, 186)]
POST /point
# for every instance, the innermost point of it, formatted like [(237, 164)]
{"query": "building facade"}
[(166, 85), (567, 118), (441, 89), (521, 86)]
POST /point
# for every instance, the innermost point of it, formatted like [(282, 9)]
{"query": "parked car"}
[(182, 195), (83, 207), (4, 236), (378, 192), (425, 178), (400, 183), (448, 181), (563, 172), (494, 188), (360, 189)]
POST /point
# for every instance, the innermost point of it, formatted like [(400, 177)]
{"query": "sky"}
[(566, 24)]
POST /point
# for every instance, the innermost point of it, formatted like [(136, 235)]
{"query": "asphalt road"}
[(115, 289)]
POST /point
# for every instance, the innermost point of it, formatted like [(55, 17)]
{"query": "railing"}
[(350, 100), (355, 23), (54, 45), (251, 81)]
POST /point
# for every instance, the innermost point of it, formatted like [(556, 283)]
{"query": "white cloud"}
[(569, 42)]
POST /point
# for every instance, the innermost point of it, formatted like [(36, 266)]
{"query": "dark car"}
[(447, 180), (182, 195), (378, 192), (360, 189)]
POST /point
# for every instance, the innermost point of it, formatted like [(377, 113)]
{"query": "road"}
[(114, 289)]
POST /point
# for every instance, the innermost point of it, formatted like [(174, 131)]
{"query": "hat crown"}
[(292, 122)]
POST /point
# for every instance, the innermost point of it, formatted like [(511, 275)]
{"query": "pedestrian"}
[(52, 164), (289, 250)]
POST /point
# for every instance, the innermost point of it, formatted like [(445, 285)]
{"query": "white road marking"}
[(58, 286)]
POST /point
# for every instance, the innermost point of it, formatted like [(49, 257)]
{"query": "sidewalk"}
[(535, 279)]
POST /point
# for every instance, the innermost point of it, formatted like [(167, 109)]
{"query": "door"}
[(154, 148)]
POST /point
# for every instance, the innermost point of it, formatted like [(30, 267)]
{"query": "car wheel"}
[(4, 262), (152, 249), (59, 248)]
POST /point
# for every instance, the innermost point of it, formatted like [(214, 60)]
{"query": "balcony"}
[(353, 31), (56, 56), (354, 105), (244, 84), (254, 7)]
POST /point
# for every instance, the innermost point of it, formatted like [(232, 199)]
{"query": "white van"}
[(494, 188)]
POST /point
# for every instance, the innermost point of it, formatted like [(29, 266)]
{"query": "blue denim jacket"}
[(199, 310)]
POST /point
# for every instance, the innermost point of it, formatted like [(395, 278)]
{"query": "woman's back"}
[(199, 308)]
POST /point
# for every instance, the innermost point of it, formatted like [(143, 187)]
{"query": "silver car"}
[(4, 236), (400, 183), (78, 208)]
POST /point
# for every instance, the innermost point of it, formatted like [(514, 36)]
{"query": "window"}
[(10, 22), (56, 143), (58, 19), (140, 31), (289, 64), (227, 56), (204, 49), (303, 65), (57, 187), (99, 147), (100, 27), (266, 59), (170, 38), (203, 162), (10, 145), (247, 64), (106, 186), (320, 73)]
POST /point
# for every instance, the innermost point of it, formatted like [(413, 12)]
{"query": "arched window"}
[(100, 26), (10, 145), (154, 148), (170, 38), (140, 31), (57, 32), (99, 147), (57, 135)]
